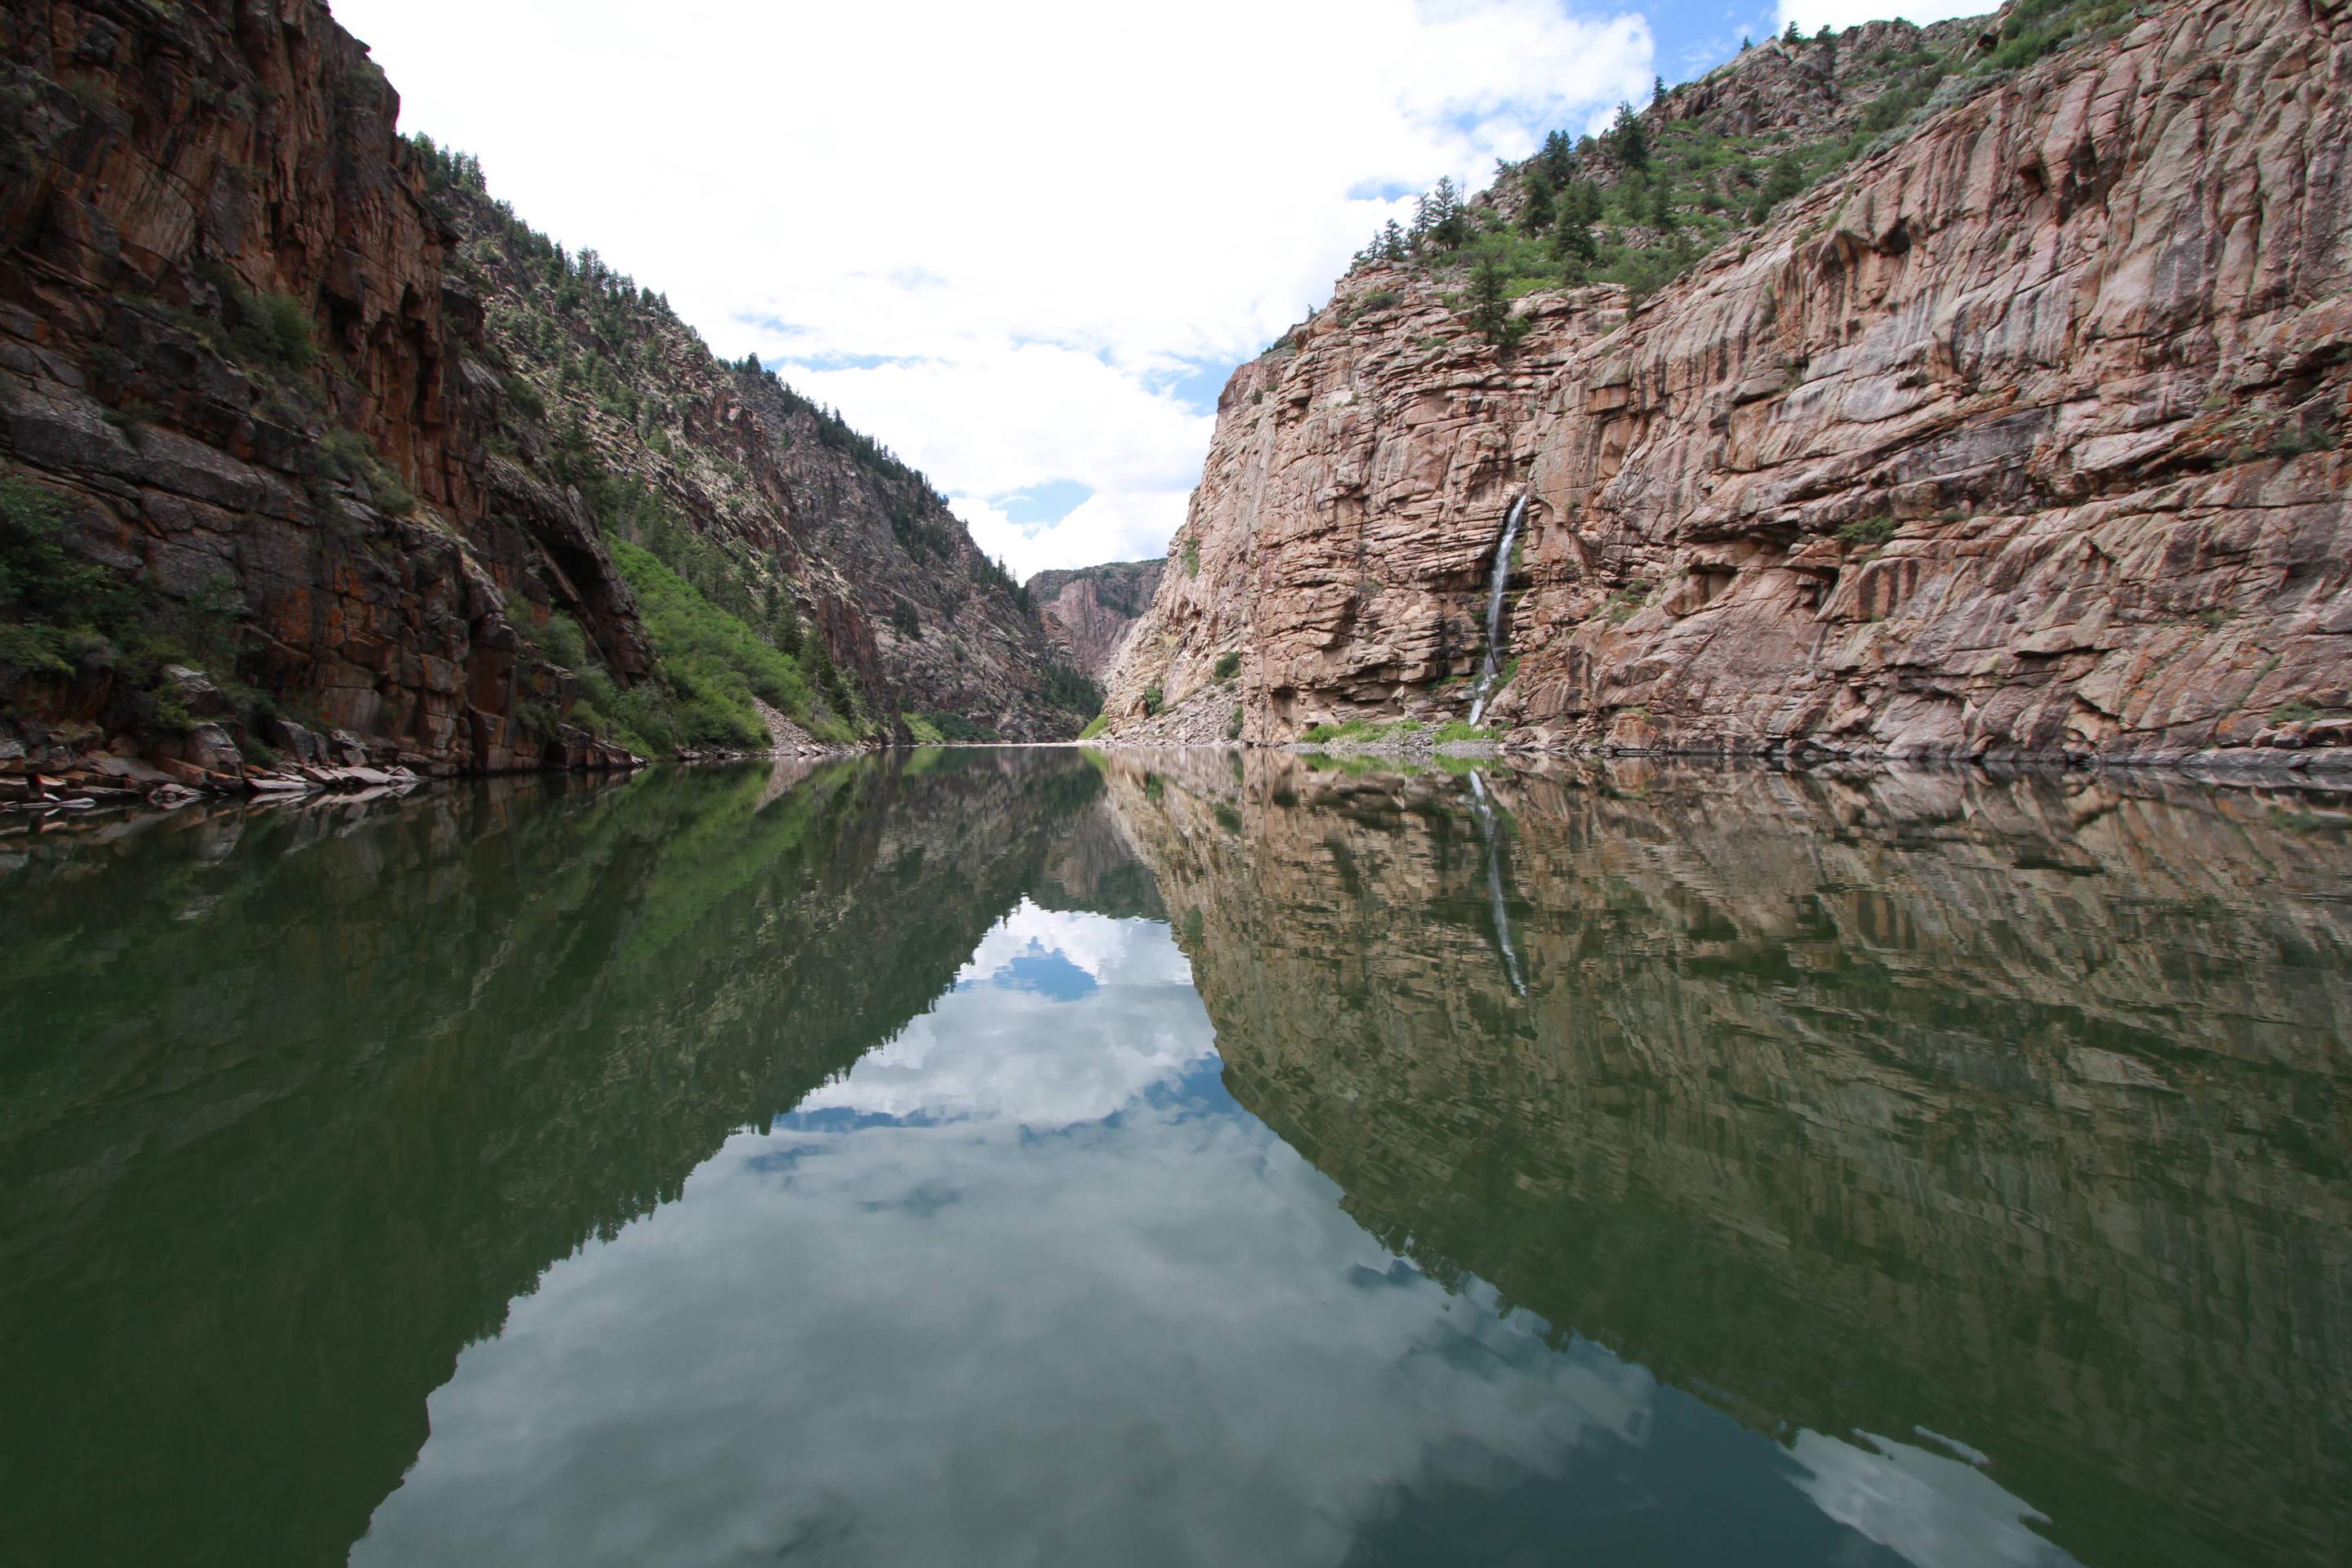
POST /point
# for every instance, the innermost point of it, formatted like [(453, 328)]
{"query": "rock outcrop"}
[(2017, 438), (1088, 611)]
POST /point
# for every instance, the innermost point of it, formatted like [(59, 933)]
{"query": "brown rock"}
[(2020, 485), (1088, 611)]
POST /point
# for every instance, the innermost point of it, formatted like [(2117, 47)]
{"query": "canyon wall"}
[(253, 369), (1088, 611), (2017, 437)]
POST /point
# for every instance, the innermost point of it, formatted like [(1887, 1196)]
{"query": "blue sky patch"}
[(1197, 385), (1048, 975), (1040, 504)]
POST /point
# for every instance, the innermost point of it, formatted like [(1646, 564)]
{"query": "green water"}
[(1014, 1158)]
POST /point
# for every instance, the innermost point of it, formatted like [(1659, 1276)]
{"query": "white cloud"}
[(992, 1052), (1812, 15), (1933, 1510), (1041, 212)]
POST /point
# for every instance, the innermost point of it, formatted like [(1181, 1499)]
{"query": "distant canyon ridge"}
[(1088, 611)]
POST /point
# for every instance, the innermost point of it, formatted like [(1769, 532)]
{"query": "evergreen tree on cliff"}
[(1441, 220), (1628, 140)]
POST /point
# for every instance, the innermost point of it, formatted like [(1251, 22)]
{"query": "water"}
[(1492, 666), (1007, 1158)]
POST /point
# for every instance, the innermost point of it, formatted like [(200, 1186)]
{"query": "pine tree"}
[(1793, 36), (1490, 312), (1392, 244), (1439, 218), (1536, 211), (1573, 247), (1629, 140), (1558, 157), (1657, 90), (1662, 207)]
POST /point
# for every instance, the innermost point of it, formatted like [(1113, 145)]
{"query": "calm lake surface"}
[(1011, 1157)]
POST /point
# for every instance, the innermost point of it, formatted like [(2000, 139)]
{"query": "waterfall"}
[(1487, 830), (1493, 665)]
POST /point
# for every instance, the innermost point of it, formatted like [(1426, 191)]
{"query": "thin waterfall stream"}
[(1493, 665)]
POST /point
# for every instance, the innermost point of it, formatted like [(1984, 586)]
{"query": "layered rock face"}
[(248, 356), (222, 316), (2018, 438), (2010, 1110), (1088, 611)]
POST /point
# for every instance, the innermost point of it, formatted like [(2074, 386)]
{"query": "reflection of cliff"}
[(2012, 1111), (287, 1115)]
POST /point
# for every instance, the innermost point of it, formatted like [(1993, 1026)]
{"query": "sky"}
[(1023, 244)]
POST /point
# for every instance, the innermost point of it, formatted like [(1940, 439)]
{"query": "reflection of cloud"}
[(994, 1048), (1939, 1513), (1115, 952), (1154, 1340), (1027, 1287)]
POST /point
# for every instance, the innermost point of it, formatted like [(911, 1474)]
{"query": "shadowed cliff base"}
[(2012, 1110)]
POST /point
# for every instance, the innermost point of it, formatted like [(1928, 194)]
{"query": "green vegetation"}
[(1228, 664), (710, 667), (1192, 558), (52, 606), (1627, 602), (925, 732), (1640, 203), (1869, 533), (1372, 732), (2294, 713), (1152, 698), (955, 728), (1095, 726), (1071, 691)]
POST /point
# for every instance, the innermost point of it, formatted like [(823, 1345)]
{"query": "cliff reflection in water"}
[(841, 1166), (2012, 1112), (293, 1104)]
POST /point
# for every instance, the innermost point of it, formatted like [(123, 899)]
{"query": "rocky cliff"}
[(1088, 611), (2016, 434), (266, 413)]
